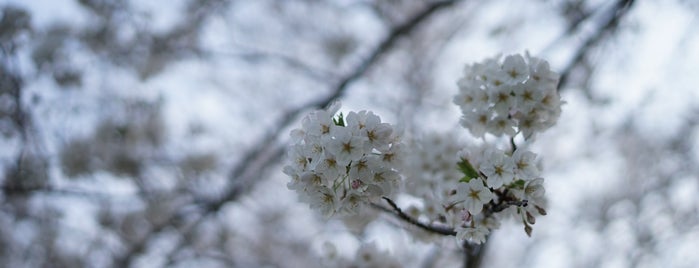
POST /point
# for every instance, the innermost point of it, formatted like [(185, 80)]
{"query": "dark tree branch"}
[(488, 209), (609, 24), (396, 211)]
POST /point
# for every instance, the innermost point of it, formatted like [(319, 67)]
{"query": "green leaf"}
[(518, 184), (339, 121), (468, 170)]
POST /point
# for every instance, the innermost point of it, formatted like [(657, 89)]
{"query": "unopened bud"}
[(530, 218), (356, 184), (541, 210), (528, 230), (466, 216)]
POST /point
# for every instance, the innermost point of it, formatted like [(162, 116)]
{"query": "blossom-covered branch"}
[(338, 164)]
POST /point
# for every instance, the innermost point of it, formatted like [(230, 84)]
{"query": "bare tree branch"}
[(609, 24)]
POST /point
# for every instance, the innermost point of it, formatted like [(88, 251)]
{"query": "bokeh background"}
[(152, 133)]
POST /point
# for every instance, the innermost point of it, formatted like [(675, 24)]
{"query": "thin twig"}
[(427, 227)]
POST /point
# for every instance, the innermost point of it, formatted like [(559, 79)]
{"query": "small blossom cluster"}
[(517, 94), (497, 186), (337, 164), (490, 185)]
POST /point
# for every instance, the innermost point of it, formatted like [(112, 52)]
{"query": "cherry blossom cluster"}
[(490, 185), (504, 98), (338, 164), (496, 185), (517, 94)]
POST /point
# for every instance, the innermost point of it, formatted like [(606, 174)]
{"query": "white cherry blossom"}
[(525, 165), (474, 235), (516, 70), (474, 195), (498, 168)]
